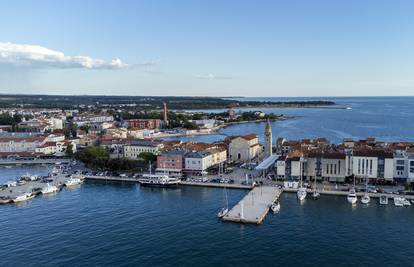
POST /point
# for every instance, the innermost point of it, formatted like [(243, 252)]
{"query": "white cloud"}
[(39, 56), (212, 77)]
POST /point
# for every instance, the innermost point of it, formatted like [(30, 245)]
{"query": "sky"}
[(208, 48)]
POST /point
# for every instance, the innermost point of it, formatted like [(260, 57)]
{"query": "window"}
[(400, 162), (400, 168), (359, 165), (370, 166)]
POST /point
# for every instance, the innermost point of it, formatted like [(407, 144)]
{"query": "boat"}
[(406, 202), (225, 209), (398, 201), (365, 199), (49, 189), (352, 197), (412, 201), (275, 207), (23, 197), (301, 194), (73, 181), (383, 200), (315, 193), (158, 180)]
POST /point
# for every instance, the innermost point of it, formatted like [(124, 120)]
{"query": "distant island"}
[(145, 102)]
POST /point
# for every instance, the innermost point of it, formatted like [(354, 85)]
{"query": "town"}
[(110, 147)]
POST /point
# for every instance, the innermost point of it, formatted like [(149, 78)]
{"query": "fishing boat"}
[(49, 189), (383, 200), (352, 197), (275, 207), (398, 201), (225, 209)]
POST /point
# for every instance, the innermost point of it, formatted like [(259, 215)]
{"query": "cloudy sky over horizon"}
[(208, 48)]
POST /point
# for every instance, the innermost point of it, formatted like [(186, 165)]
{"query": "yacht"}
[(275, 207), (49, 189), (383, 200), (23, 197), (158, 180), (398, 201), (352, 197), (73, 181), (406, 202)]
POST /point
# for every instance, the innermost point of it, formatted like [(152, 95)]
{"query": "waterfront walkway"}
[(32, 162), (254, 206)]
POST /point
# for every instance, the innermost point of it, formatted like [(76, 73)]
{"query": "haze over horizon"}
[(207, 48)]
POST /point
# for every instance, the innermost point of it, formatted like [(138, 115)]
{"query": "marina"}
[(254, 207)]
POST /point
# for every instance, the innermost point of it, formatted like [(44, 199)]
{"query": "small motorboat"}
[(73, 181), (406, 202), (223, 212), (23, 197), (383, 200), (412, 201), (316, 195), (275, 207), (352, 197), (365, 199), (301, 193), (398, 201)]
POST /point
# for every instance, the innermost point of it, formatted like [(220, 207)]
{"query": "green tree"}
[(69, 150), (147, 157)]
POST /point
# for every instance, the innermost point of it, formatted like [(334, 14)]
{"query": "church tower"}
[(268, 139)]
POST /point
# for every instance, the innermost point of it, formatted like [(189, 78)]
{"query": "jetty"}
[(254, 207)]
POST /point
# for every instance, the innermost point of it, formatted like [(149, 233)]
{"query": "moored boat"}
[(49, 189), (383, 200), (301, 193), (365, 199), (158, 180), (352, 197), (73, 181), (275, 207), (406, 202), (398, 201), (23, 197)]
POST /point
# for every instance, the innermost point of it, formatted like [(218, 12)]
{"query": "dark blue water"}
[(386, 118), (107, 224)]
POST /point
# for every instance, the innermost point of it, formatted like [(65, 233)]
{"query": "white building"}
[(21, 144), (197, 161), (137, 147), (244, 148)]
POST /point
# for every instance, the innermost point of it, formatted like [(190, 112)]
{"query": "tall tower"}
[(268, 139), (165, 115)]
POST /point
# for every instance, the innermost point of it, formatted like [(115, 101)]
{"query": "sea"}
[(123, 224)]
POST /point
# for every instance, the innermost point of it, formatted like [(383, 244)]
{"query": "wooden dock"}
[(254, 207)]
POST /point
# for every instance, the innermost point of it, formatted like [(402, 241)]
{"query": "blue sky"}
[(212, 48)]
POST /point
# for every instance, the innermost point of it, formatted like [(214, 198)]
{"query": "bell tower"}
[(268, 139)]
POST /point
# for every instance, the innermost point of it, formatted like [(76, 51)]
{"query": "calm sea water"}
[(386, 118), (110, 224)]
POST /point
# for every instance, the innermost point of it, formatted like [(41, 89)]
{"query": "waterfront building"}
[(136, 147), (171, 163), (21, 144), (198, 162), (141, 124), (268, 140), (244, 148)]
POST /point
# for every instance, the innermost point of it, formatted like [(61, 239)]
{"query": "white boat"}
[(301, 193), (73, 181), (23, 197), (275, 207), (49, 189), (412, 201), (383, 200), (398, 201), (225, 209), (365, 199), (158, 180), (352, 197), (406, 202), (316, 195)]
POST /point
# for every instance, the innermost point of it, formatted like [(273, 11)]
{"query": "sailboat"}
[(366, 199), (315, 193), (301, 194), (225, 209)]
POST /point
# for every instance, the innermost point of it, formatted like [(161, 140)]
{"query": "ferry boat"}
[(158, 180), (49, 189), (23, 197)]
